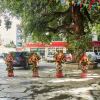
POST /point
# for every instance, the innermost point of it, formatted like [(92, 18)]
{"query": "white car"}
[(50, 58), (98, 55), (91, 56), (69, 57)]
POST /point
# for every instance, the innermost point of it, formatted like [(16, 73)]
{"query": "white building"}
[(8, 35)]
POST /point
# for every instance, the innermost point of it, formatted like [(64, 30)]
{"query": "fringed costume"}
[(34, 59), (9, 62), (59, 57), (84, 61)]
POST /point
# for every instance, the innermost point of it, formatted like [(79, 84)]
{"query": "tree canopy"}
[(73, 20), (67, 17)]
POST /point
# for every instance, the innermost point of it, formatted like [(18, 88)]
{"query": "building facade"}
[(46, 49)]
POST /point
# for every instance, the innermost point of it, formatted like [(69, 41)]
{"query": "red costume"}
[(84, 61), (59, 57), (34, 59), (9, 62)]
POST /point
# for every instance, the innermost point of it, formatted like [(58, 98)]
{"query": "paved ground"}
[(24, 87)]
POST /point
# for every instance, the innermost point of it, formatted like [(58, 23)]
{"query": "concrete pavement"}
[(24, 87)]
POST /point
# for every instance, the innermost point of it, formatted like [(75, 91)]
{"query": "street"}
[(24, 87)]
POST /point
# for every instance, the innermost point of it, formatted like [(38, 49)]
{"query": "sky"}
[(9, 35)]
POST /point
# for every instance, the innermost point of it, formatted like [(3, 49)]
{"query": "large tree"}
[(69, 18), (54, 16)]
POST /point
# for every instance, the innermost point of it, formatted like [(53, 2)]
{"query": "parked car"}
[(20, 59), (50, 58), (91, 56), (68, 57), (97, 59), (94, 57)]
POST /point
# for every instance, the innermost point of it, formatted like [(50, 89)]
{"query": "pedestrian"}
[(9, 62), (84, 61), (59, 58), (34, 60)]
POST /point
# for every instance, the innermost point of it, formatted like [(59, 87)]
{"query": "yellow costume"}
[(84, 61), (34, 59), (59, 57), (9, 62)]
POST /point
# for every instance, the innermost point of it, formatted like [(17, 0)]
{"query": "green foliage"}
[(39, 15), (53, 16), (97, 28), (41, 37), (56, 17), (79, 45)]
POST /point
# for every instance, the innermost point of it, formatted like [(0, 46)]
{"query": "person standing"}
[(84, 61), (34, 60), (59, 58), (9, 62)]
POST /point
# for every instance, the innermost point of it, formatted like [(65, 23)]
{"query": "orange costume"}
[(84, 61), (34, 59), (59, 57), (9, 62)]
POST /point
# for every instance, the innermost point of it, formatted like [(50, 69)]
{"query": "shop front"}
[(96, 46), (55, 46), (46, 49), (39, 48)]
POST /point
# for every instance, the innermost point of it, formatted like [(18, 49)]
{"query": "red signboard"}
[(43, 45), (19, 49), (96, 43), (58, 44), (35, 45)]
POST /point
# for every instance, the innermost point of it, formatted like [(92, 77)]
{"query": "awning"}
[(35, 45), (19, 49), (96, 43), (43, 45), (58, 44)]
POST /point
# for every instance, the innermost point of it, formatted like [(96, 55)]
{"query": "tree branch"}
[(63, 27), (56, 13)]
